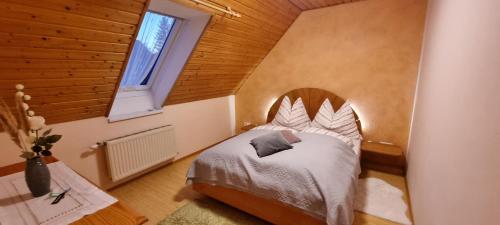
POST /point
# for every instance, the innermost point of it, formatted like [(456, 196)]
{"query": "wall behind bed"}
[(367, 52)]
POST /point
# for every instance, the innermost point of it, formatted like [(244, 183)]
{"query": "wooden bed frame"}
[(271, 210)]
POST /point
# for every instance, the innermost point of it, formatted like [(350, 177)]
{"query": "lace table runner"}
[(18, 207)]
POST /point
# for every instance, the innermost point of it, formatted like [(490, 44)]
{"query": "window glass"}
[(153, 34)]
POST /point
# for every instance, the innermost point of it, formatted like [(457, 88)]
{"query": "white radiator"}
[(134, 153)]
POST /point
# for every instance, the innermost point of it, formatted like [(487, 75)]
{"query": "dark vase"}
[(37, 176)]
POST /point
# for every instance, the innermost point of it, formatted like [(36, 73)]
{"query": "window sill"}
[(116, 118)]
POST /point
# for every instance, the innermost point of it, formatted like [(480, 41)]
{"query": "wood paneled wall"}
[(69, 53)]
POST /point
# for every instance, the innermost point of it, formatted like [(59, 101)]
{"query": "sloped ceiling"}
[(314, 4), (70, 53), (231, 48)]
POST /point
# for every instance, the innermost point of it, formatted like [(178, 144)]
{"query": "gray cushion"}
[(269, 144)]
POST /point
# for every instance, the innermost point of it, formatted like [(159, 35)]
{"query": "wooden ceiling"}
[(314, 4), (70, 53), (231, 48)]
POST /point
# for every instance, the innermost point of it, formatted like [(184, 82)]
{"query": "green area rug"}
[(210, 212)]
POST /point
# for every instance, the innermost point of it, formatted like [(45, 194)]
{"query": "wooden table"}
[(115, 214)]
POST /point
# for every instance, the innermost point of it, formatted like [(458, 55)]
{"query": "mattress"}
[(319, 175)]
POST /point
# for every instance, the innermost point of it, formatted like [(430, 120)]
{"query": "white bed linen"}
[(319, 175)]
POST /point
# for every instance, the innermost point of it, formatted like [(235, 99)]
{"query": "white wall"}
[(197, 125), (454, 151)]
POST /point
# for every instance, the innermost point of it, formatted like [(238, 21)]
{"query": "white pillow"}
[(316, 130), (342, 121), (273, 127), (294, 117)]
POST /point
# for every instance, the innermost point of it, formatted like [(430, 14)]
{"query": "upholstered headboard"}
[(312, 98)]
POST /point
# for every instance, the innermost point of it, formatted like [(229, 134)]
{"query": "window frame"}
[(172, 36), (130, 104)]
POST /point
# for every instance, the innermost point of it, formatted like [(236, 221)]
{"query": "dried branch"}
[(22, 116), (9, 123)]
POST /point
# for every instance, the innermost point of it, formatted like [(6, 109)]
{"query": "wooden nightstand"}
[(248, 127), (383, 157)]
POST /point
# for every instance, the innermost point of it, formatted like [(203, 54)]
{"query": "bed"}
[(314, 183)]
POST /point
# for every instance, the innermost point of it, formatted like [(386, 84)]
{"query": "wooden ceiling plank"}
[(70, 104), (259, 16), (80, 8), (215, 55), (235, 39), (311, 4), (75, 109), (299, 4), (288, 5), (76, 97), (251, 16), (39, 53), (28, 14), (211, 43), (26, 74), (256, 8), (225, 62), (51, 30), (232, 77), (221, 47), (55, 83), (198, 98), (123, 5), (287, 10), (43, 100), (249, 25), (304, 4), (37, 41), (229, 50), (39, 92), (254, 34), (200, 94), (7, 63)]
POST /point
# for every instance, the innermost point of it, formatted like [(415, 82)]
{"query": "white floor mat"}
[(378, 198)]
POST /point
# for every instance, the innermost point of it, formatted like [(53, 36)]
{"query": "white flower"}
[(19, 94), (25, 106), (27, 97), (31, 113), (19, 87), (36, 122)]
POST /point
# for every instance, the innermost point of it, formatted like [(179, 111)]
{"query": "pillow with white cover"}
[(273, 127), (316, 130), (342, 122), (292, 116)]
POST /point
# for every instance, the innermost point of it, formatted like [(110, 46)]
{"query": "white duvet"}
[(319, 175)]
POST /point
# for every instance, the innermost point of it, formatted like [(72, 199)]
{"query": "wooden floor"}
[(161, 192)]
